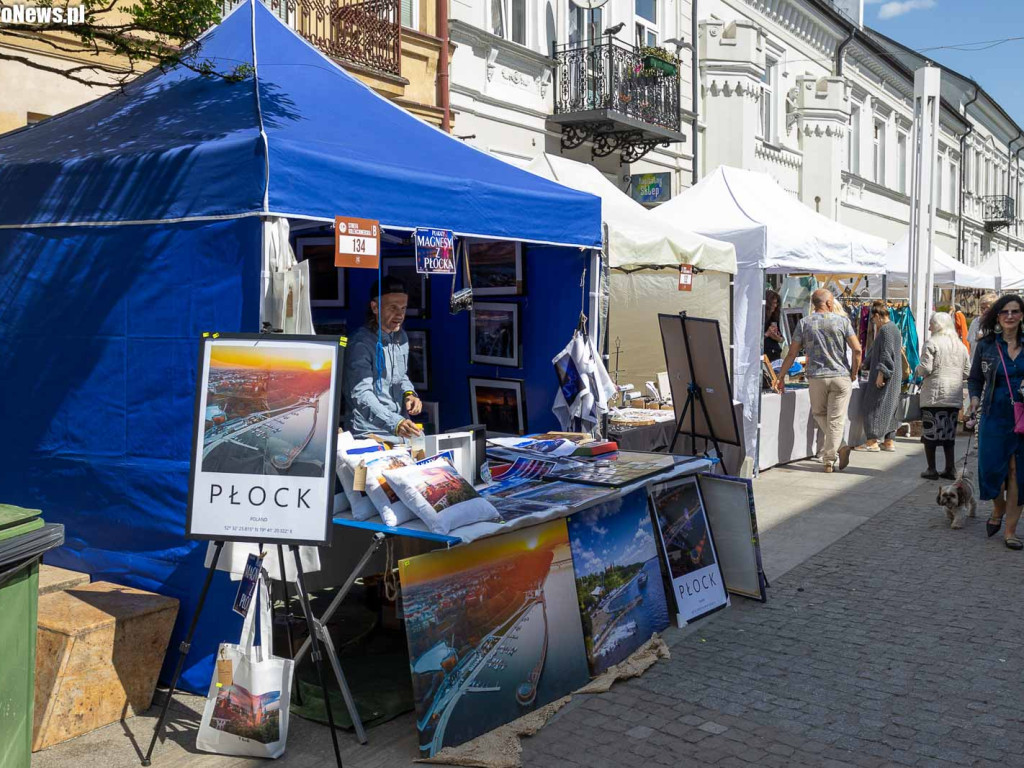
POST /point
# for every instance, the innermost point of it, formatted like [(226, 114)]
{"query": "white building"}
[(799, 89)]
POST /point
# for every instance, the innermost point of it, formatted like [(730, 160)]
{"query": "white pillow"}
[(392, 511), (362, 507), (439, 495)]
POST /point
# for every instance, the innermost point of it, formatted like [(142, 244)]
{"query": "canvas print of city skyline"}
[(267, 408), (618, 578), (494, 632)]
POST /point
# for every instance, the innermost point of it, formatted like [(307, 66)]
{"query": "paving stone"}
[(639, 732)]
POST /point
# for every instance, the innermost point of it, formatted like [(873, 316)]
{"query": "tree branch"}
[(68, 73)]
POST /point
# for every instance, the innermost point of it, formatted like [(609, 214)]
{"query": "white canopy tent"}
[(635, 238), (644, 254), (773, 233), (947, 271), (1007, 267)]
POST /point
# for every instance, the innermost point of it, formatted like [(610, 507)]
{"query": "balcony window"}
[(768, 100), (508, 20), (579, 24), (646, 22), (410, 14)]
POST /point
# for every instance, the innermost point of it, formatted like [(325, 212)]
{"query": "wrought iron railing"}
[(997, 209), (366, 33), (615, 76)]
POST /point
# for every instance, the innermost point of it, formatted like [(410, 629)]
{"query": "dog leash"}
[(967, 455)]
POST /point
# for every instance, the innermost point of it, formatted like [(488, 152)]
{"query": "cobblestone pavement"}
[(900, 644)]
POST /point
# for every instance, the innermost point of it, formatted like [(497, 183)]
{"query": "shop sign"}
[(685, 277), (356, 242), (435, 251), (651, 187)]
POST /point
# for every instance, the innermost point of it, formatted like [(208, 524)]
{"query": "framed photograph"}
[(494, 334), (430, 415), (790, 319), (419, 359), (418, 286), (327, 282), (263, 446), (499, 404), (496, 268)]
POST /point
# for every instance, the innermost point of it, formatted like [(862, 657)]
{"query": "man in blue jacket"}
[(380, 401)]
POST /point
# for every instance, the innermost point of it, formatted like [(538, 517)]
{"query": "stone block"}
[(54, 579), (99, 651)]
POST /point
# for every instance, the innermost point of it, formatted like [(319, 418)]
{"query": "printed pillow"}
[(392, 510), (439, 495), (348, 458)]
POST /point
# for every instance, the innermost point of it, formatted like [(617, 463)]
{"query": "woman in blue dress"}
[(994, 385)]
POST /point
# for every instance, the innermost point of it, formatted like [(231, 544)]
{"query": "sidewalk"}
[(873, 649)]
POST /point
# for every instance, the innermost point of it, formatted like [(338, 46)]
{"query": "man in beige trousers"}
[(824, 337)]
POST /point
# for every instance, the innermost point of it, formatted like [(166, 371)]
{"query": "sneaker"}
[(930, 474), (828, 466)]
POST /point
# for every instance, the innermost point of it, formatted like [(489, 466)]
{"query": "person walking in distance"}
[(824, 337), (997, 371), (945, 364), (974, 332)]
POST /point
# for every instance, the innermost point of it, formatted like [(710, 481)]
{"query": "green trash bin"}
[(24, 537)]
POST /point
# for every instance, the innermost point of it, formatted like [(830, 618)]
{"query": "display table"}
[(788, 430)]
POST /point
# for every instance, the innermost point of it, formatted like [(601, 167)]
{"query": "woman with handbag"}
[(994, 385), (944, 365)]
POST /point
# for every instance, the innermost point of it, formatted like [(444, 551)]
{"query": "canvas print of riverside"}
[(494, 632), (618, 578)]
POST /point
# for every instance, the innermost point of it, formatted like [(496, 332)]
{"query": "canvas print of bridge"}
[(494, 632), (267, 408)]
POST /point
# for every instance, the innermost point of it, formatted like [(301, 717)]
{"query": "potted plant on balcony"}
[(659, 60)]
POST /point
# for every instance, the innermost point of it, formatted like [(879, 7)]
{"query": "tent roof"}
[(635, 237), (796, 238), (1008, 269), (300, 138), (946, 271)]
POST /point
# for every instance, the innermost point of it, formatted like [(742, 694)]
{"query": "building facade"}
[(394, 46)]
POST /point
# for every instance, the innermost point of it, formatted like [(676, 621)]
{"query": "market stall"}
[(947, 272), (1007, 267), (644, 257), (168, 215), (774, 234)]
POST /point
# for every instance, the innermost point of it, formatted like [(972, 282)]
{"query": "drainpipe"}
[(1009, 158), (442, 66), (694, 92), (841, 50), (963, 177)]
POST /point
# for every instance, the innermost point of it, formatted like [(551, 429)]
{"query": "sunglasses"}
[(1009, 312)]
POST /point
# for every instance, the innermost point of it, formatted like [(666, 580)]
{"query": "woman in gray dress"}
[(882, 391)]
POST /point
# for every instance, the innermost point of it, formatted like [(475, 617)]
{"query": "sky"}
[(999, 69)]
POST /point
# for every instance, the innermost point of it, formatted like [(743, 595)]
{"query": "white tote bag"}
[(248, 716)]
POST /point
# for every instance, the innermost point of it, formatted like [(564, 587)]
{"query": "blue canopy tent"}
[(132, 224)]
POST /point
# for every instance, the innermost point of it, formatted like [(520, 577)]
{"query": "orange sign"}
[(685, 277), (356, 242)]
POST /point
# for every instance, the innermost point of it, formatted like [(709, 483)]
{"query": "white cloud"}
[(600, 531), (894, 8)]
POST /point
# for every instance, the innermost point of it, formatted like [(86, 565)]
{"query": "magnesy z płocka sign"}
[(264, 439), (435, 251)]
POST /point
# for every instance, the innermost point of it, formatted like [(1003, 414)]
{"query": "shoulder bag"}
[(1018, 408)]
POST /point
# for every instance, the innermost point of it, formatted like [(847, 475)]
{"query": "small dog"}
[(958, 500)]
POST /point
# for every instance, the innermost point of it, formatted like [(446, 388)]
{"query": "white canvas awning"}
[(947, 272), (636, 238), (1007, 267)]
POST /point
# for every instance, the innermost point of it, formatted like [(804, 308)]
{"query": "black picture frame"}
[(418, 285), (499, 267), (329, 470), (328, 287), (419, 350), (498, 424), (507, 313)]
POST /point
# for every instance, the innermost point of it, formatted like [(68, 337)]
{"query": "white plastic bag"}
[(249, 716)]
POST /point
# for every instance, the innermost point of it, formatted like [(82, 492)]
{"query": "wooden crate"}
[(99, 651)]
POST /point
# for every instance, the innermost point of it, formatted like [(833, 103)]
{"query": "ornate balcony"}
[(997, 211), (613, 95), (366, 34)]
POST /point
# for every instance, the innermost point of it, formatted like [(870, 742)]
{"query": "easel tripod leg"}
[(315, 651), (183, 650), (297, 693)]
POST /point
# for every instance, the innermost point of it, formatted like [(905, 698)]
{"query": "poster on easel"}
[(264, 439), (689, 548)]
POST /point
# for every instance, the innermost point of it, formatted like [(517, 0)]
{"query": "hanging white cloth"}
[(584, 385)]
